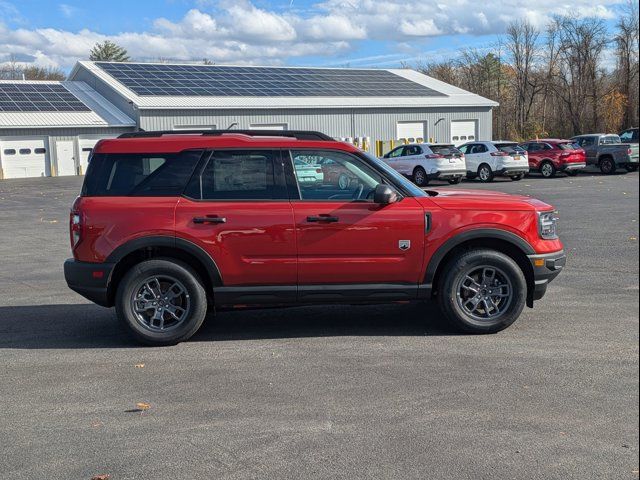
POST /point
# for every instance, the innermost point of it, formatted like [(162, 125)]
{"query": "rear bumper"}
[(512, 171), (448, 174), (573, 166), (91, 280), (546, 267)]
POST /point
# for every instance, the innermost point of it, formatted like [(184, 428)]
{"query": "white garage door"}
[(463, 131), (24, 158), (268, 126), (85, 147), (411, 131)]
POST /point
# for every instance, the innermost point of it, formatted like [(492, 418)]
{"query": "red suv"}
[(550, 156), (169, 226)]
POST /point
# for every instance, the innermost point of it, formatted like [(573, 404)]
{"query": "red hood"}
[(484, 200)]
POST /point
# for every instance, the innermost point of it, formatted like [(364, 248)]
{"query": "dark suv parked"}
[(169, 226)]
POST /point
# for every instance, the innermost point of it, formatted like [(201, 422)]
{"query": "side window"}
[(524, 146), (547, 146), (626, 136), (396, 153), (239, 175), (351, 178), (412, 150), (140, 174), (463, 149), (534, 147)]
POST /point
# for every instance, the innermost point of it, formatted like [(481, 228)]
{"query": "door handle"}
[(323, 218), (209, 220)]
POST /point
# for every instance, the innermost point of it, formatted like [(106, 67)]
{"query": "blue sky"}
[(359, 33)]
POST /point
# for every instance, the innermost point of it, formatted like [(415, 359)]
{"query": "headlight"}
[(548, 225)]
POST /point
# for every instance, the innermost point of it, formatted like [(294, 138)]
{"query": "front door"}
[(345, 238), (237, 209)]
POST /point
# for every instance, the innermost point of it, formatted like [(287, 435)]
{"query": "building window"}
[(9, 151), (25, 151), (40, 151)]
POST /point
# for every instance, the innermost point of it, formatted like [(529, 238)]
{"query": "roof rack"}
[(297, 134)]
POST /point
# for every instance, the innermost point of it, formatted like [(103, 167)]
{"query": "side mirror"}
[(384, 195), (386, 155)]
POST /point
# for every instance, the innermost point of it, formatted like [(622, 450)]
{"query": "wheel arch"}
[(135, 251), (503, 241)]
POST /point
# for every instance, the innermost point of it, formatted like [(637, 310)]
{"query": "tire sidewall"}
[(424, 176), (552, 170), (612, 166), (459, 267), (181, 272), (489, 177)]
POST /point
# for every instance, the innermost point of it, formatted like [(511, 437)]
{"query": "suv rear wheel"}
[(161, 302), (482, 291), (548, 169), (485, 174), (420, 177)]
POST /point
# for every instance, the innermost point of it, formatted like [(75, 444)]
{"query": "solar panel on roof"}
[(38, 97), (220, 81)]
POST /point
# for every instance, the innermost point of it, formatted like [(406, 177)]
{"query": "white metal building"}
[(41, 135), (49, 128), (379, 104)]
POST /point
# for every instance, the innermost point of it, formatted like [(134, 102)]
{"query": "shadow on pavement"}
[(90, 326)]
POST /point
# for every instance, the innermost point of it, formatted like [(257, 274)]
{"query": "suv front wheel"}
[(161, 302), (482, 291)]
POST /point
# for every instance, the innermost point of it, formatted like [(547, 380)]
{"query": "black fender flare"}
[(171, 242), (478, 233)]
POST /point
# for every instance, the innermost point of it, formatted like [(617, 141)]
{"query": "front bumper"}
[(91, 280), (546, 267), (573, 166), (448, 174)]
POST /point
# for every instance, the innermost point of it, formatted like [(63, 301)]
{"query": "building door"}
[(463, 131), (23, 158), (412, 132), (65, 157)]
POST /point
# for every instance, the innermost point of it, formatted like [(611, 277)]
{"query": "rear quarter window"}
[(150, 175)]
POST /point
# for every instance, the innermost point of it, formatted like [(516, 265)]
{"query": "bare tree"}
[(626, 41)]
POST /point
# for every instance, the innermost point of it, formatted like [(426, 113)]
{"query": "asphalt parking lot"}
[(330, 392)]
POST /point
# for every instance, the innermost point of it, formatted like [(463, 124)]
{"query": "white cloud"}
[(238, 31), (67, 10)]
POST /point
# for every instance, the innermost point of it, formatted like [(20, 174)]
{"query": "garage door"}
[(24, 158), (411, 131), (85, 147), (268, 126), (463, 131)]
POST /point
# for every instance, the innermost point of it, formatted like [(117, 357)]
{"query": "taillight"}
[(565, 155), (75, 227), (318, 170), (499, 154), (629, 151)]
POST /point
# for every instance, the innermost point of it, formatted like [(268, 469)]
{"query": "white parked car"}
[(308, 173), (422, 162), (485, 160)]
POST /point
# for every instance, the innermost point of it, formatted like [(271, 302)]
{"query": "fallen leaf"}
[(633, 238), (143, 406), (139, 365), (102, 476)]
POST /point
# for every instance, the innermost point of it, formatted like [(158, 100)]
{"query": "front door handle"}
[(209, 220), (323, 218)]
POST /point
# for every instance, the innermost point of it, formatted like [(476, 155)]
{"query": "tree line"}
[(574, 76)]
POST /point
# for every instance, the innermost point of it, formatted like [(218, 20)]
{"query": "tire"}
[(189, 307), (455, 181), (485, 174), (506, 271), (420, 177), (517, 178), (607, 166), (631, 168), (572, 173), (548, 169)]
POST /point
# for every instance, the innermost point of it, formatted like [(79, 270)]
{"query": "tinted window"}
[(118, 174), (586, 141), (362, 179), (446, 150), (238, 175), (508, 147), (412, 150), (566, 146), (396, 153), (464, 148)]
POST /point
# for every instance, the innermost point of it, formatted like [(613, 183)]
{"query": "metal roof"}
[(449, 96), (100, 113)]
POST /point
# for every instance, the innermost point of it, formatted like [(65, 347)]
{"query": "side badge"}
[(404, 244)]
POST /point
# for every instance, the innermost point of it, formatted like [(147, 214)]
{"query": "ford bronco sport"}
[(169, 226)]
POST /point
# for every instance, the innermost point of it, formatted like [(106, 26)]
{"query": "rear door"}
[(237, 209), (345, 238)]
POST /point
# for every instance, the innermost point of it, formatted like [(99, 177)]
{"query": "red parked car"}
[(169, 226), (550, 156)]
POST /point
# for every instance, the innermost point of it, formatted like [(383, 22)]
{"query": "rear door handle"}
[(209, 220), (323, 218)]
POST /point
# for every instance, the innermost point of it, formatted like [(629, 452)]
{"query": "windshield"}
[(398, 178)]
